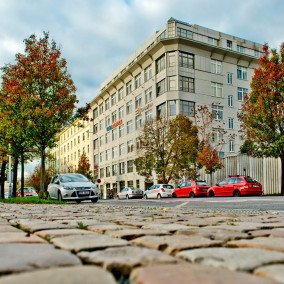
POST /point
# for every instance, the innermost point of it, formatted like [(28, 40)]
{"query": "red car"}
[(28, 191), (191, 188), (236, 186)]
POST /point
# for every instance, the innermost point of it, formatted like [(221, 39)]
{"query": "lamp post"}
[(10, 173)]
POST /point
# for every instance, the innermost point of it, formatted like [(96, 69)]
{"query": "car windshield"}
[(251, 180), (200, 182), (168, 186), (28, 190), (73, 178)]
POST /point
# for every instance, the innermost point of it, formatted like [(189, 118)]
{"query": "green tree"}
[(84, 166), (40, 77), (262, 114), (168, 147)]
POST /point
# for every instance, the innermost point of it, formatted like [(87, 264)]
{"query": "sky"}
[(97, 36)]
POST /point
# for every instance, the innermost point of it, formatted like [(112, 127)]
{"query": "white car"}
[(159, 191), (130, 192), (72, 187)]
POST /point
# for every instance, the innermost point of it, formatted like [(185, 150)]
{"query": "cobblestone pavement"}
[(101, 243)]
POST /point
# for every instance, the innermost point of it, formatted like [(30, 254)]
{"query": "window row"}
[(117, 169)]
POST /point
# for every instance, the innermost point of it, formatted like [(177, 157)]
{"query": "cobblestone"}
[(102, 243)]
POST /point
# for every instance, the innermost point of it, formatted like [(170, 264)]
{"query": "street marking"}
[(183, 204)]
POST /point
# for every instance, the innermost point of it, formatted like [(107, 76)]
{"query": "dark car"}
[(236, 186), (191, 188)]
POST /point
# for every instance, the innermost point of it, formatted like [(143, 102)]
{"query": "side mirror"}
[(217, 184)]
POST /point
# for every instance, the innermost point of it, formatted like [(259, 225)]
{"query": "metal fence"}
[(266, 170)]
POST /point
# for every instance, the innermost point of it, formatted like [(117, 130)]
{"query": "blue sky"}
[(97, 36)]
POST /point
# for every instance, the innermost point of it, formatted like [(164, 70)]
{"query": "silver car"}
[(130, 192), (72, 187)]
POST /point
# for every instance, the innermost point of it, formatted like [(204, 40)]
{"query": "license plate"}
[(83, 193), (255, 185)]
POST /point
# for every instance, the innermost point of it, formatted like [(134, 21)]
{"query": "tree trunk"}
[(42, 192), (282, 174), (22, 174), (15, 176), (2, 179)]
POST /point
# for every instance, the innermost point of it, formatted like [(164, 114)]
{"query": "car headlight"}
[(94, 187), (68, 188)]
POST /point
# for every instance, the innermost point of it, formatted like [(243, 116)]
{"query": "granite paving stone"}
[(279, 232), (63, 275), (244, 259), (19, 237), (61, 233), (124, 259), (175, 243), (18, 257), (192, 273), (270, 243), (102, 228), (169, 227), (275, 272), (87, 242), (8, 228)]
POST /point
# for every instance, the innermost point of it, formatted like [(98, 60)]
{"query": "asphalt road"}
[(259, 203)]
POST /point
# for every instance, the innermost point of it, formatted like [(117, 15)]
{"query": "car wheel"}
[(236, 193), (159, 196), (145, 196), (192, 195), (211, 193), (60, 196), (94, 200), (78, 201), (174, 195), (127, 197)]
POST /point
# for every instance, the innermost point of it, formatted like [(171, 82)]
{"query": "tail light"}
[(162, 189), (133, 191)]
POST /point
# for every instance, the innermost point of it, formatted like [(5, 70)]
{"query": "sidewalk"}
[(99, 243)]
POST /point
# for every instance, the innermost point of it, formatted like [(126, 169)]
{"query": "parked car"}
[(130, 192), (191, 188), (28, 191), (159, 191), (72, 187), (236, 186)]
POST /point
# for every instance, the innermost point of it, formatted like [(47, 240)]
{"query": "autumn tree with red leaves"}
[(84, 166), (262, 114), (40, 86)]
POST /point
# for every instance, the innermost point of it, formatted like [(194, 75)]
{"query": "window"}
[(121, 130), (107, 137), (148, 95), (137, 81), (108, 157), (257, 53), (217, 111), (95, 113), (130, 166), (129, 126), (172, 83), (186, 84), (96, 159), (138, 101), (102, 173), (121, 168), (212, 41), (240, 49), (114, 170), (216, 66), (232, 146), (148, 73), (241, 93), (108, 171), (120, 94), (172, 108), (172, 59), (107, 121), (161, 110), (217, 135), (231, 123), (187, 108), (101, 124), (229, 44), (101, 108), (230, 78), (95, 144), (149, 115), (101, 140), (129, 107), (221, 154), (121, 112), (106, 104), (184, 33), (128, 87), (113, 117), (121, 149), (242, 72), (138, 121), (230, 101), (161, 87), (95, 128), (113, 99), (114, 134), (130, 146), (217, 90), (186, 60), (160, 64), (114, 152)]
